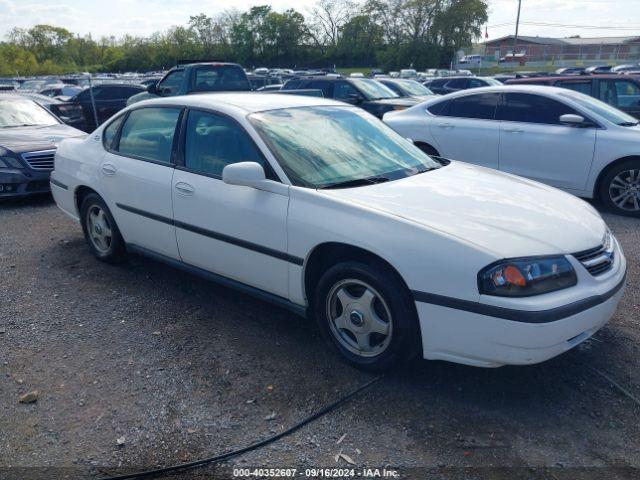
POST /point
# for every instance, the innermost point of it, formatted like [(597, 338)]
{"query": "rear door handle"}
[(445, 125), (109, 169), (514, 130), (184, 189)]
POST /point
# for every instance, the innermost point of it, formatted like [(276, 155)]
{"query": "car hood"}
[(503, 214), (24, 139)]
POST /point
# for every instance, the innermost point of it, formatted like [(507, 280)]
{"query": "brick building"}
[(573, 49)]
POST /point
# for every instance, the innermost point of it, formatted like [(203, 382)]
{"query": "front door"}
[(234, 231), (535, 144)]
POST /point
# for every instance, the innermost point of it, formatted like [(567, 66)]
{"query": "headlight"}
[(524, 277), (10, 162)]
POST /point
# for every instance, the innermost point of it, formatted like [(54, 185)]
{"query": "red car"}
[(622, 92)]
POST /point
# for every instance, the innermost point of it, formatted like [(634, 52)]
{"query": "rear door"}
[(465, 129), (136, 173), (534, 144)]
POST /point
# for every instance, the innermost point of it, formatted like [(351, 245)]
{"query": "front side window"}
[(21, 112), (481, 106), (529, 108), (148, 133), (457, 83), (171, 84), (346, 145), (214, 141), (345, 91)]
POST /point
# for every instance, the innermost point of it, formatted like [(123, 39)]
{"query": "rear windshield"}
[(220, 78)]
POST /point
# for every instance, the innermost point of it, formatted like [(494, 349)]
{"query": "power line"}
[(561, 25)]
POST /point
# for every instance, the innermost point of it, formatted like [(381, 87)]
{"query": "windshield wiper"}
[(358, 182), (628, 124)]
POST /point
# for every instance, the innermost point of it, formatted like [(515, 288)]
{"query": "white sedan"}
[(319, 207), (553, 135)]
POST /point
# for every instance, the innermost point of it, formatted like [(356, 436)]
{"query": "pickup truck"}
[(196, 78)]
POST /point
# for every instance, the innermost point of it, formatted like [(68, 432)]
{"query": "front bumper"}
[(19, 183), (480, 337)]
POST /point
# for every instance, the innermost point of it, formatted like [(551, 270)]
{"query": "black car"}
[(109, 99), (446, 85), (598, 69), (29, 136), (366, 93), (69, 113), (407, 88)]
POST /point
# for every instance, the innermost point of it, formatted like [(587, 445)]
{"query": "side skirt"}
[(227, 282)]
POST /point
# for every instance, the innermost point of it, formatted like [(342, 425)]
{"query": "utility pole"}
[(515, 39)]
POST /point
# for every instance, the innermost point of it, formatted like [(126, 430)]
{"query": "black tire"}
[(428, 149), (404, 341), (114, 250), (611, 188)]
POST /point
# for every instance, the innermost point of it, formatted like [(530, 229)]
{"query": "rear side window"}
[(221, 78), (214, 141), (582, 87), (481, 106), (110, 133), (148, 134), (526, 107), (438, 108)]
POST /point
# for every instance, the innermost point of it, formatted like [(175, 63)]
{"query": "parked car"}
[(408, 73), (570, 71), (109, 99), (622, 92), (70, 113), (407, 88), (625, 68), (317, 206), (553, 135), (598, 69), (471, 60), (445, 85), (197, 77), (366, 93), (29, 135)]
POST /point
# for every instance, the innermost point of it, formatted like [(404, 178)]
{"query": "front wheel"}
[(620, 189), (367, 314)]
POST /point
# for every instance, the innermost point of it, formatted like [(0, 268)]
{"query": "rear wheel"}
[(620, 188), (100, 230), (367, 314)]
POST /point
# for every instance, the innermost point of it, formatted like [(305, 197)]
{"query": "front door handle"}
[(514, 130), (445, 125), (109, 169), (184, 189)]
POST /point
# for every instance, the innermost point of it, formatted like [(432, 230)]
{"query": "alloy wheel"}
[(359, 318), (99, 229), (624, 190)]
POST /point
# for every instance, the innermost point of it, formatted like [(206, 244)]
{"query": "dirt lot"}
[(179, 369)]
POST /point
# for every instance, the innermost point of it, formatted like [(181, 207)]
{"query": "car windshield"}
[(492, 81), (414, 88), (600, 108), (372, 89), (24, 113), (349, 147)]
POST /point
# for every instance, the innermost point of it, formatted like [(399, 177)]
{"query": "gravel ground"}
[(178, 369)]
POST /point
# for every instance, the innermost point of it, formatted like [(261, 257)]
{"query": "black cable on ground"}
[(253, 446)]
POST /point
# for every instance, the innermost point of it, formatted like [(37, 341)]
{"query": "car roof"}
[(247, 102), (520, 88), (570, 77)]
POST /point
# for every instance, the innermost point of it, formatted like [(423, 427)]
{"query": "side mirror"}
[(246, 174), (152, 89), (354, 98), (573, 120)]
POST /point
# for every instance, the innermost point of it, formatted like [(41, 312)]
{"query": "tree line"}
[(388, 34)]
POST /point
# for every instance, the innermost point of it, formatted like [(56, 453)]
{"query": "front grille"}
[(597, 260), (41, 160)]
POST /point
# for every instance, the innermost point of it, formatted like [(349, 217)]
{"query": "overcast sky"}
[(142, 17)]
